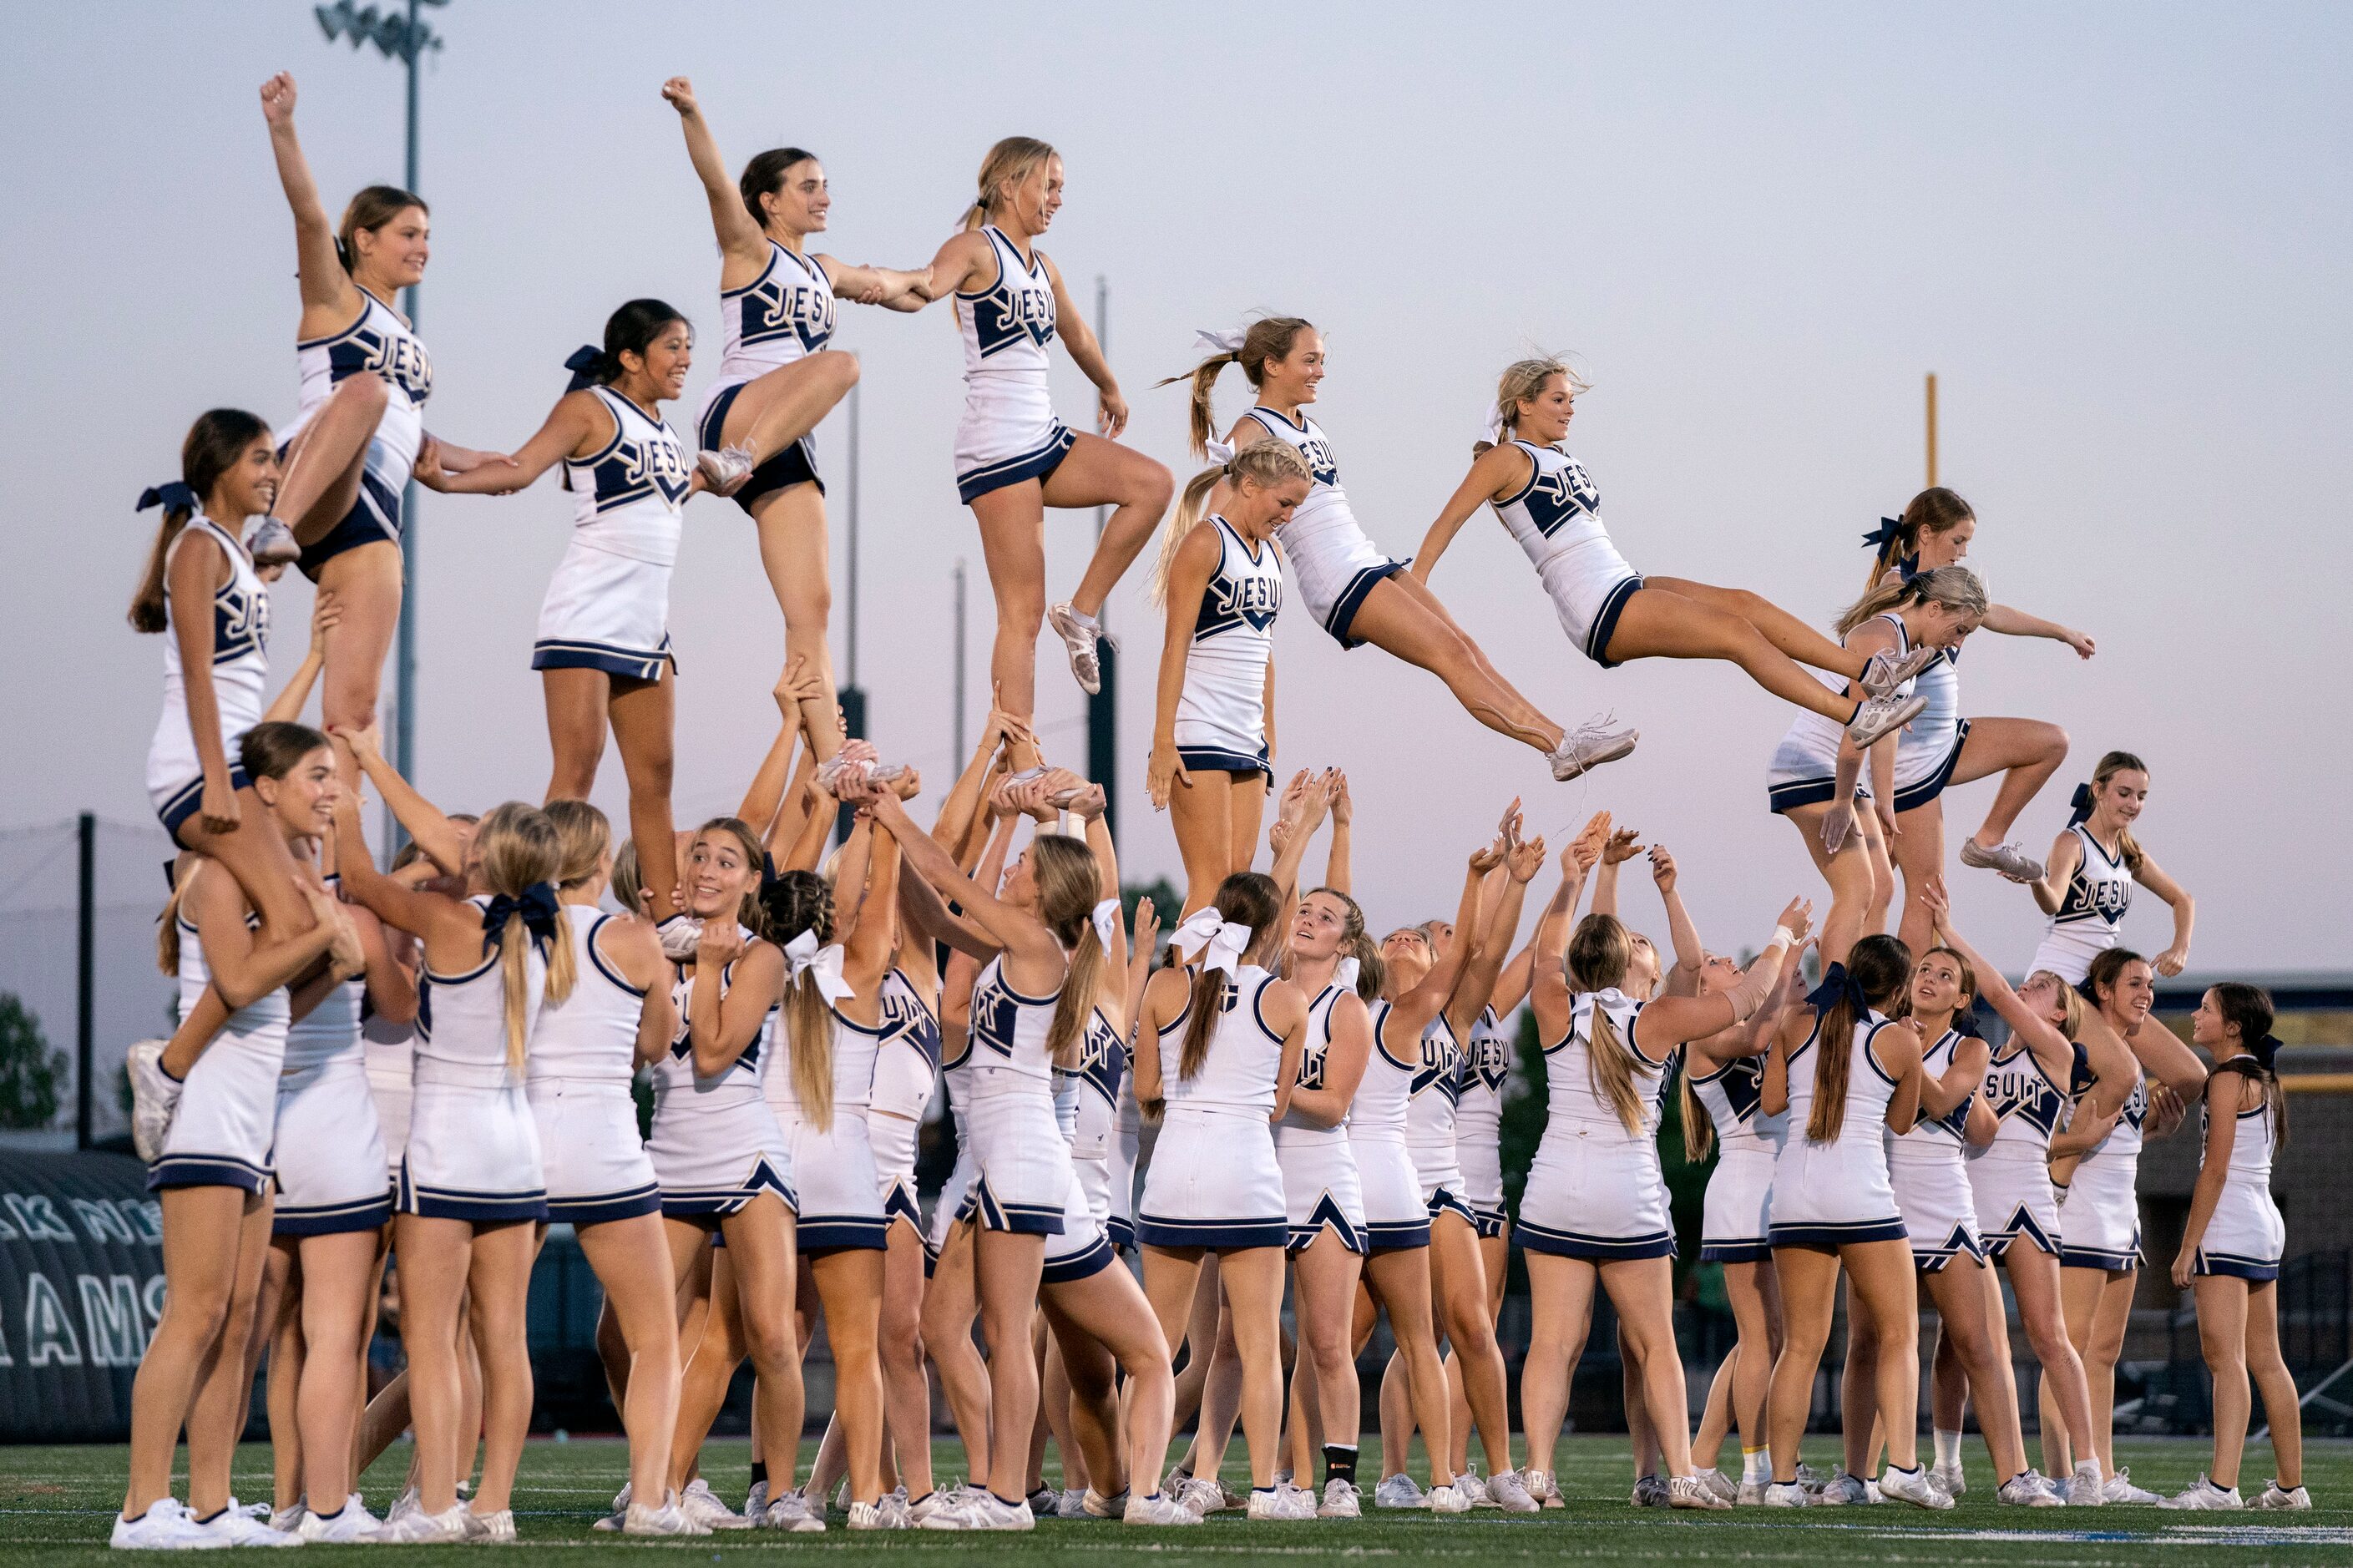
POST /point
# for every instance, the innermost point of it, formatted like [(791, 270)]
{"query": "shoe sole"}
[(1615, 750), (1904, 713)]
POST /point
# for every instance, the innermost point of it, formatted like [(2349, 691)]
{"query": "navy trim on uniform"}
[(1490, 1222), (711, 1202), (1327, 1212), (1021, 1219), (595, 957), (2234, 1265), (2111, 1261), (1396, 1236), (1217, 1234), (1445, 1200), (1840, 1233), (1216, 760), (621, 663), (1757, 1251), (1933, 1259), (334, 1219), (1079, 1265), (1038, 463), (1542, 1239), (459, 1203), (603, 1208), (1352, 599), (375, 519), (1873, 1056), (181, 804), (816, 1235), (1536, 473), (206, 1171), (796, 464), (1596, 641), (1913, 797), (2022, 1226), (1780, 797), (1120, 1231)]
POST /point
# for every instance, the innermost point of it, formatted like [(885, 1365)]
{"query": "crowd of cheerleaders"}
[(438, 1060)]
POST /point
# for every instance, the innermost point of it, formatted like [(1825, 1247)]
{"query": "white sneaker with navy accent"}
[(2205, 1497), (1913, 1486), (2283, 1499), (165, 1527)]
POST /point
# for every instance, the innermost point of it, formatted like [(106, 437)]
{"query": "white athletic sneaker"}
[(2120, 1489), (1871, 1492), (1913, 1486), (288, 1518), (2084, 1486), (1157, 1508), (350, 1523), (1203, 1498), (1650, 1491), (2007, 859), (1092, 1504), (621, 1499), (1342, 1500), (1842, 1490), (2205, 1497), (679, 935), (1267, 1505), (2283, 1499), (419, 1527), (1079, 634), (1880, 717), (698, 1503), (236, 1527), (1469, 1484), (1507, 1490), (874, 1516), (1544, 1486), (1044, 1501), (995, 1513), (2025, 1489), (790, 1513), (154, 1099), (497, 1529), (1719, 1483), (1447, 1499), (1398, 1490), (1812, 1479), (1785, 1494), (1950, 1478), (165, 1527), (1888, 670), (755, 1500), (406, 1503), (1590, 744), (726, 468), (1752, 1495), (1689, 1491), (667, 1520), (1071, 1503)]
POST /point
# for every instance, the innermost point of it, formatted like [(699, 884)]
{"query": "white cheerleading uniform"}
[(1596, 1191), (1221, 710), (377, 343), (2246, 1236), (833, 1165), (1024, 1181), (582, 1054), (389, 1050), (1429, 1121), (329, 1157), (1930, 1173), (955, 1200), (2099, 1216), (240, 666), (1929, 747), (906, 1066), (1319, 1164), (222, 1132), (473, 1145), (779, 318), (1804, 768), (1395, 1215), (1479, 1122), (1008, 432), (1556, 517), (2098, 894), (1735, 1223), (716, 1145), (607, 606), (2010, 1178), (1214, 1181), (1127, 1150), (1837, 1193), (1094, 1087), (1334, 563)]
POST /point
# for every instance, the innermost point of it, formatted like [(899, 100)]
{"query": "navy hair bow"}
[(768, 877), (1889, 531), (586, 365), (2266, 1051), (537, 907), (172, 497), (1837, 986), (2081, 804), (1965, 1023), (1910, 567)]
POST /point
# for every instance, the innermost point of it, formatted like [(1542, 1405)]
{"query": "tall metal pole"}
[(1103, 708), (956, 696), (86, 980), (404, 742), (1932, 429), (853, 695)]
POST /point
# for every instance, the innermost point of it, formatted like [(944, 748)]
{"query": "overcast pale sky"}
[(2117, 234)]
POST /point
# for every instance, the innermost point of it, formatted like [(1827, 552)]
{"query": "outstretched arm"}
[(318, 270), (2016, 622), (1495, 472), (286, 706), (579, 423), (1335, 857), (1417, 1007), (739, 238), (764, 797), (1020, 933), (435, 833)]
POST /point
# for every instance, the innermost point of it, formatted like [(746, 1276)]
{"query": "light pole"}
[(406, 39), (853, 695), (1103, 708)]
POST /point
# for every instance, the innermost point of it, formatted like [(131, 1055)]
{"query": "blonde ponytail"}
[(1011, 160), (1598, 952), (1070, 885), (809, 1032), (1268, 462), (1699, 1129), (519, 849), (1954, 587), (167, 934)]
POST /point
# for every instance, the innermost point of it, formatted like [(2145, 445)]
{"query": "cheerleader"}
[(213, 1176), (603, 651), (2231, 1245), (1219, 581), (1595, 1208), (1841, 1071), (1544, 498), (1028, 1010), (1014, 459), (778, 375), (1939, 748), (1815, 776), (2099, 1219), (2092, 867), (353, 449), (1355, 593)]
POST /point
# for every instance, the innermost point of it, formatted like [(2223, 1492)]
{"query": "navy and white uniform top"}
[(1335, 564), (1295, 1131), (328, 1033), (1430, 1111), (1006, 1046), (240, 668), (2028, 1106), (1007, 327), (1557, 519), (378, 342), (1868, 1092), (1486, 1065), (1238, 1073), (1807, 754), (1922, 746), (1101, 1070), (461, 1020), (2090, 915), (1381, 1109), (1221, 710), (2246, 1235), (1572, 1099), (782, 315), (1734, 1098), (627, 495), (591, 1037), (1938, 1138), (677, 1090)]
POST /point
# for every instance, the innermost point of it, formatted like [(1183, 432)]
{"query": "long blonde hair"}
[(1523, 379), (797, 901), (520, 848), (1954, 587), (585, 837), (1599, 953), (1010, 162), (1268, 337), (2128, 847), (1263, 463), (1244, 899), (1070, 885)]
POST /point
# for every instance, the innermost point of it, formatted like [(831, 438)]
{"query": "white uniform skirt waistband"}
[(473, 1154), (597, 1166)]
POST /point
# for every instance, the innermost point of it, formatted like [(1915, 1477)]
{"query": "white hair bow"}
[(1106, 919), (1218, 452), (1494, 426), (1224, 940), (804, 956), (1345, 976), (1220, 340)]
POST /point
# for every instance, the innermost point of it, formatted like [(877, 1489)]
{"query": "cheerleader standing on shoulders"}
[(778, 375), (1354, 592), (2231, 1247), (2092, 869), (1611, 612), (1218, 580), (471, 1175), (213, 1176), (1014, 459)]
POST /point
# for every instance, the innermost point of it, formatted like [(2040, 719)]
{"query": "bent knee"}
[(2051, 742), (840, 367), (1154, 486), (367, 393)]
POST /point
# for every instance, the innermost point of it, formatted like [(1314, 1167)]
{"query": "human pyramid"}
[(436, 1061)]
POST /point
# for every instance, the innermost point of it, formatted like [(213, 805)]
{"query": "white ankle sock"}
[(1948, 1450), (1756, 1466)]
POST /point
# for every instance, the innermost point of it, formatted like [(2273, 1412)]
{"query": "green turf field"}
[(56, 1505)]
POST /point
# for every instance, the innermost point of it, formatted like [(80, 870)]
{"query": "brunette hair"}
[(1268, 337), (213, 445), (1879, 966)]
